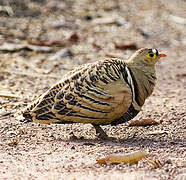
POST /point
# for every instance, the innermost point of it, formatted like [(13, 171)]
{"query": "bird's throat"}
[(144, 81)]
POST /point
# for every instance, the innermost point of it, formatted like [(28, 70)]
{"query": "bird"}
[(109, 91)]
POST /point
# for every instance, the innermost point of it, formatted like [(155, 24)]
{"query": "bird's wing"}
[(96, 93), (40, 109)]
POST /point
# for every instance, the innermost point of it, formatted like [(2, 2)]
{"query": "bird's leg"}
[(100, 132)]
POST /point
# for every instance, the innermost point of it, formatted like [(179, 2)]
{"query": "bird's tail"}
[(24, 115)]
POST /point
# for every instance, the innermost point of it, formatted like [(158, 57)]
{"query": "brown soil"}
[(88, 31)]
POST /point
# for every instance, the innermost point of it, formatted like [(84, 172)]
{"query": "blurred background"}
[(41, 40)]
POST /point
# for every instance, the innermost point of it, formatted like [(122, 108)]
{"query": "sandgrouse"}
[(110, 91)]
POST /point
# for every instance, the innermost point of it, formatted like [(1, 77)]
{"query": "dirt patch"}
[(42, 40)]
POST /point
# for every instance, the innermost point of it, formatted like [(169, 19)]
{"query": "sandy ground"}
[(63, 35)]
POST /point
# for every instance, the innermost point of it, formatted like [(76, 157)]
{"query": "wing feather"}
[(93, 93), (89, 98)]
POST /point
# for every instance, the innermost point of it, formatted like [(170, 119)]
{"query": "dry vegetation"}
[(41, 40)]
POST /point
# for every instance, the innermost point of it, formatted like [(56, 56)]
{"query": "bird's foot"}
[(105, 137), (101, 134)]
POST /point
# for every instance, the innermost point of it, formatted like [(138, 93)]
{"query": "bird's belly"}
[(121, 101)]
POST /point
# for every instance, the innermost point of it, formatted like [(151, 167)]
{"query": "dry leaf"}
[(155, 163), (131, 158), (126, 46), (143, 122), (45, 43), (73, 37)]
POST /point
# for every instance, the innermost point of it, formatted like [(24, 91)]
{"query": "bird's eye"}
[(151, 55)]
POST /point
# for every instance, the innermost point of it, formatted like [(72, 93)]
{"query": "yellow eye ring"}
[(151, 55)]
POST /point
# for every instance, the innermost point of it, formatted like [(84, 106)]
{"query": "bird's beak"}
[(162, 55)]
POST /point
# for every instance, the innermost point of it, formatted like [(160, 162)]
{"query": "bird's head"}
[(147, 56)]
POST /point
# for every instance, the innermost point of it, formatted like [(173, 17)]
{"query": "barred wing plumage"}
[(94, 93)]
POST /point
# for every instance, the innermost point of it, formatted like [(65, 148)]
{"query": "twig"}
[(7, 8), (31, 74), (178, 19), (8, 95)]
